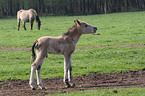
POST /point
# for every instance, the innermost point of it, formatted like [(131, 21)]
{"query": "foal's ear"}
[(77, 22)]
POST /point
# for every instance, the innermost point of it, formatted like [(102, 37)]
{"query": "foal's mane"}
[(69, 31)]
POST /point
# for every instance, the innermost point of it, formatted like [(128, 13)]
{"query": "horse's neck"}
[(75, 36), (36, 16)]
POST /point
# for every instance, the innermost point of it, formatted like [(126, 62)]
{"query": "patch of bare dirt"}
[(92, 81), (90, 47), (15, 48), (132, 45)]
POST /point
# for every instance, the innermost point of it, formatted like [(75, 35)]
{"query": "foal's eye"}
[(86, 25)]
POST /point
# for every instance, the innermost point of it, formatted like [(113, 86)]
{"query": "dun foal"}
[(28, 16), (64, 45)]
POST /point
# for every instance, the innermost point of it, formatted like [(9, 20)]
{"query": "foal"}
[(28, 16), (64, 45)]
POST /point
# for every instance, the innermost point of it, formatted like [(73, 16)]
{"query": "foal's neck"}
[(75, 35)]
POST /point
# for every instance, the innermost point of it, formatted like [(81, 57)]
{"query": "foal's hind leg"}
[(31, 82), (33, 68), (37, 66), (38, 70)]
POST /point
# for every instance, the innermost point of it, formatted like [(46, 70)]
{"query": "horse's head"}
[(85, 28), (38, 24)]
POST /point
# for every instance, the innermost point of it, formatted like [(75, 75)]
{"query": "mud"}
[(90, 47), (92, 81)]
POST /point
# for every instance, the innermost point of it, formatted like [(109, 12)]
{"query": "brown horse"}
[(28, 16), (64, 45)]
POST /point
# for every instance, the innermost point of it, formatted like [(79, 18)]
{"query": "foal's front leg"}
[(72, 84), (67, 71)]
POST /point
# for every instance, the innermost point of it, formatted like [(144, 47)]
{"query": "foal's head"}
[(85, 28)]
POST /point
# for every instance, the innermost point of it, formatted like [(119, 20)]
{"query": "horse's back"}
[(25, 15), (18, 14), (56, 45), (44, 40)]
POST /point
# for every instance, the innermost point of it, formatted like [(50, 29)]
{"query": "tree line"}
[(70, 7)]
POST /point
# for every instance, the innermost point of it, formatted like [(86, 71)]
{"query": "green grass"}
[(108, 92), (16, 64), (117, 28)]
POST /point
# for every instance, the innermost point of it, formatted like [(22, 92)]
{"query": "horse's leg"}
[(24, 25), (72, 84), (36, 65), (18, 24), (33, 68), (31, 82), (31, 24), (42, 54), (66, 65), (38, 70)]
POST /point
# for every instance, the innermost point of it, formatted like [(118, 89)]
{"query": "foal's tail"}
[(33, 51)]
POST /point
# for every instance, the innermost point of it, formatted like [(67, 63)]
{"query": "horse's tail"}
[(33, 51), (18, 20), (18, 15)]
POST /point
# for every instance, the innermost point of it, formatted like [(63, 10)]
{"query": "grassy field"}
[(115, 29), (118, 28), (16, 64), (108, 92)]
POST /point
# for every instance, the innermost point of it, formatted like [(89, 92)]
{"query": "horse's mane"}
[(36, 15), (37, 18), (69, 31)]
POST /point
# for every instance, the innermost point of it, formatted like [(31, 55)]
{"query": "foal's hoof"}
[(67, 85), (41, 87), (72, 85), (33, 88)]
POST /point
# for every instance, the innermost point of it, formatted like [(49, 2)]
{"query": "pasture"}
[(119, 47)]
